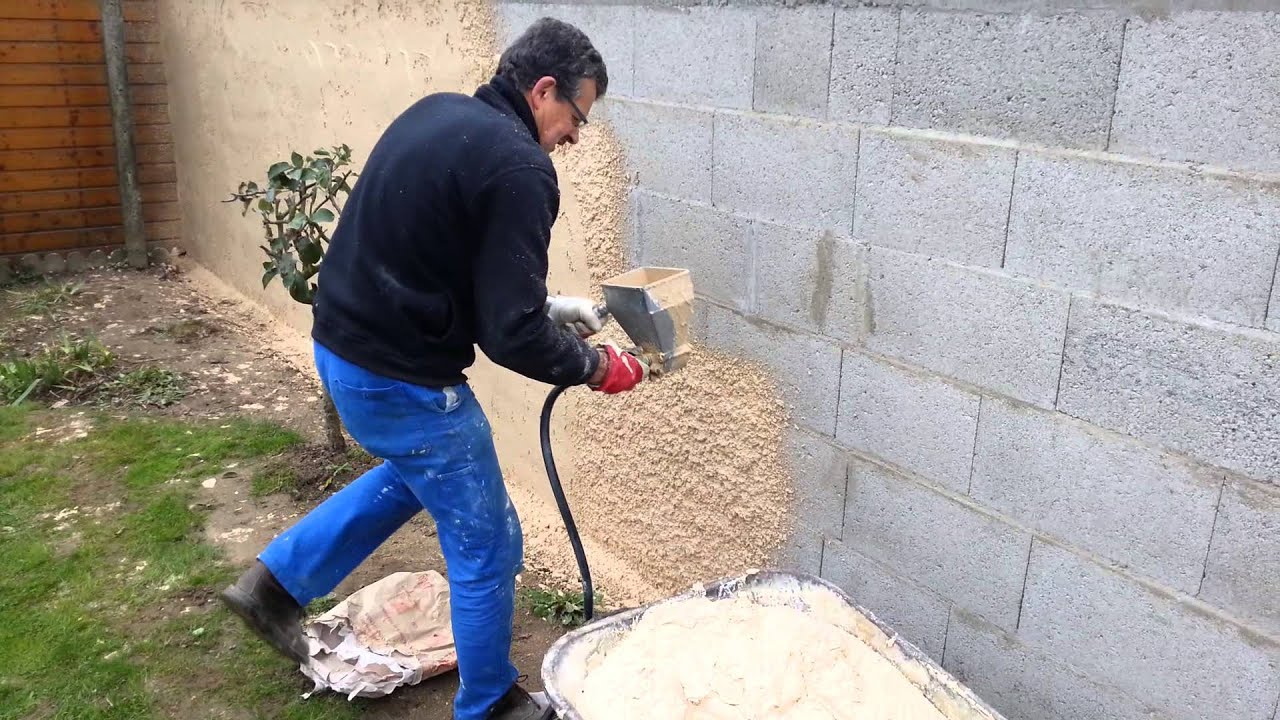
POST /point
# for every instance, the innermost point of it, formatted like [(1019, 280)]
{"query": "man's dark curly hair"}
[(556, 48)]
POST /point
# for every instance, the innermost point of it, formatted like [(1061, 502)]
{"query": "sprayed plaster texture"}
[(682, 477)]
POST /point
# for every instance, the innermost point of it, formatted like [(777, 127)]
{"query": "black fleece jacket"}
[(442, 245)]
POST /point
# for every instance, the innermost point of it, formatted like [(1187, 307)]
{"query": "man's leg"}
[(483, 548), (309, 559), (312, 557)]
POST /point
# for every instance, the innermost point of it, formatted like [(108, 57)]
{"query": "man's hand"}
[(618, 372), (578, 314)]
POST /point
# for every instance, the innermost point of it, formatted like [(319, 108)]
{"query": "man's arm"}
[(515, 211)]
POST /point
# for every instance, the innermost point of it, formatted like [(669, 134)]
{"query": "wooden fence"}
[(58, 182)]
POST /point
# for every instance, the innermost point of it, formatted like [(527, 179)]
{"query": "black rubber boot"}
[(518, 705), (269, 610)]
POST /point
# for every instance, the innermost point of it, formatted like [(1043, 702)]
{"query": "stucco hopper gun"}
[(654, 307)]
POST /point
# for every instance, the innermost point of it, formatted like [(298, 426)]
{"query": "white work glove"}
[(577, 314)]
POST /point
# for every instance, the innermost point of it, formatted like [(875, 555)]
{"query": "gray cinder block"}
[(974, 325), (1243, 572), (713, 245), (1273, 314), (1025, 685), (1186, 663), (1202, 86), (915, 613), (920, 423), (933, 197), (805, 367), (1158, 237), (1096, 490), (667, 147), (699, 56), (1209, 390), (862, 57), (787, 171), (959, 553), (810, 279), (793, 60), (1046, 79), (819, 472)]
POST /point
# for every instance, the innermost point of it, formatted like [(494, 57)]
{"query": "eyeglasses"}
[(582, 119)]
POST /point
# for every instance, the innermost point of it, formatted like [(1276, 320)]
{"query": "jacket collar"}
[(502, 94)]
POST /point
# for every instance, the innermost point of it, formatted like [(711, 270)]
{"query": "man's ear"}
[(543, 90)]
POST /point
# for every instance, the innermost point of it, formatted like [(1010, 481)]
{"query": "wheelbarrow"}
[(563, 667)]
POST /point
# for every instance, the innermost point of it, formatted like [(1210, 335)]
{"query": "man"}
[(442, 245)]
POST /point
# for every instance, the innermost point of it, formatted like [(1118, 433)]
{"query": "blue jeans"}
[(437, 451)]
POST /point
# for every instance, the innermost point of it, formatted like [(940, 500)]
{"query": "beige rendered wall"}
[(680, 482)]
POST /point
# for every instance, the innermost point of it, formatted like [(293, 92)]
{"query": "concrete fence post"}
[(113, 44)]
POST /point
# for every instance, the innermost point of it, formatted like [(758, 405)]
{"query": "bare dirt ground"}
[(160, 318)]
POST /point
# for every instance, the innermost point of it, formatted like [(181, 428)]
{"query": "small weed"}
[(274, 477), (23, 275), (147, 387), (559, 607), (322, 605), (336, 471), (66, 366), (45, 298)]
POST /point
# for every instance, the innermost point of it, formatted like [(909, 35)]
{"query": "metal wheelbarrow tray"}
[(563, 665)]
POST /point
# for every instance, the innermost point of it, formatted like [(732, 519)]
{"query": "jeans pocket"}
[(471, 505), (443, 400), (380, 415)]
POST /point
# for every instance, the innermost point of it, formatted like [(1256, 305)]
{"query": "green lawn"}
[(101, 554)]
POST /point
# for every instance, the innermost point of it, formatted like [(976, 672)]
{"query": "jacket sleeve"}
[(515, 211)]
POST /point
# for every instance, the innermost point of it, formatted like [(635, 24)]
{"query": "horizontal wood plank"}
[(72, 219), (51, 30), (74, 52), (58, 158), (142, 32), (79, 117), (14, 223), (82, 198), (164, 230), (62, 158), (19, 96), (70, 74), (73, 178), (49, 240), (37, 138), (134, 10)]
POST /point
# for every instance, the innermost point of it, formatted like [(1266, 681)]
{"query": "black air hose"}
[(588, 596)]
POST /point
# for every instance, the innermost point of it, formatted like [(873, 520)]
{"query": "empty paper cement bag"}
[(391, 633)]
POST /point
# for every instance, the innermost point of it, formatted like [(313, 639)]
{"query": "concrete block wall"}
[(1014, 267)]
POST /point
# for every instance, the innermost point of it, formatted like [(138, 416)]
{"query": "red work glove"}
[(623, 371)]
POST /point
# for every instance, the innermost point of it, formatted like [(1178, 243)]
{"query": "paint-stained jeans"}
[(437, 451)]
